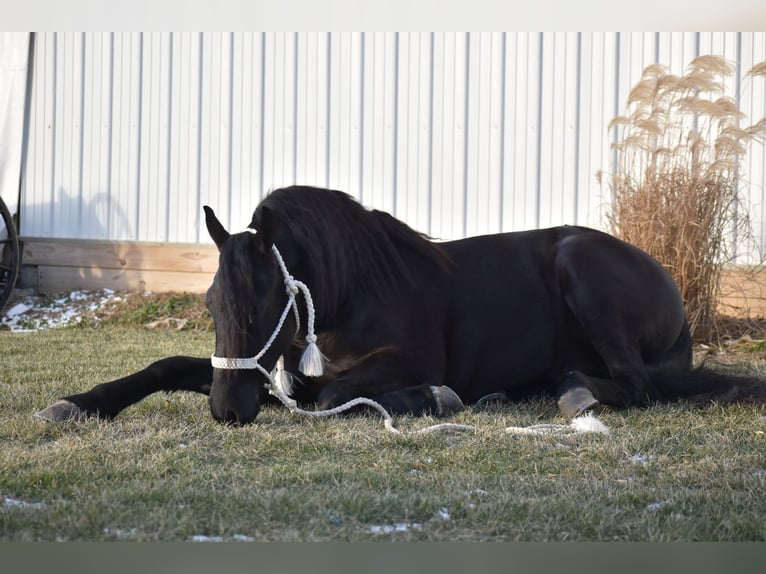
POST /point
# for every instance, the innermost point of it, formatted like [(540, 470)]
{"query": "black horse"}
[(425, 327)]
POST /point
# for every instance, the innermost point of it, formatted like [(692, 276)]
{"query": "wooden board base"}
[(57, 279), (744, 293), (68, 264)]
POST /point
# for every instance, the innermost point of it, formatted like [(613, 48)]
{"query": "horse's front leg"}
[(109, 399)]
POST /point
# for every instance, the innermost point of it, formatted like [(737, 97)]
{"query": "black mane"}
[(350, 248)]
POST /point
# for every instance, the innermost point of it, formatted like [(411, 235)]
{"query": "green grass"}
[(164, 470)]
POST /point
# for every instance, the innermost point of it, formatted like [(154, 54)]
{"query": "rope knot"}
[(291, 285)]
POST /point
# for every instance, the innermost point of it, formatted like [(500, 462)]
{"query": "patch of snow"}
[(12, 503), (397, 527), (441, 515), (121, 533), (657, 505), (641, 459), (18, 309), (234, 538), (203, 538), (35, 313)]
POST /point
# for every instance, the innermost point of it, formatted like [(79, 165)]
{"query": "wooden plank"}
[(60, 279), (121, 255), (66, 264), (743, 293)]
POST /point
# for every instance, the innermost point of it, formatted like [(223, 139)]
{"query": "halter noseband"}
[(312, 360)]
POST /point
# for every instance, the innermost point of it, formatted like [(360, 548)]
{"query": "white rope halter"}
[(312, 360)]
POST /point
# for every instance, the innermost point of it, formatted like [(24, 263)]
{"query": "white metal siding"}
[(456, 133)]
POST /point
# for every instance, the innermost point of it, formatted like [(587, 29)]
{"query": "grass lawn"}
[(164, 470)]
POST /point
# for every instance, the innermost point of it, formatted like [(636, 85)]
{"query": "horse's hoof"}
[(447, 401), (62, 411), (576, 401)]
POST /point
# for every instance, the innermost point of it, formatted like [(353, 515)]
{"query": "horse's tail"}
[(703, 384), (676, 380)]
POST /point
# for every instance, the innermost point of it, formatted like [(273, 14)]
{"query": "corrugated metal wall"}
[(455, 133)]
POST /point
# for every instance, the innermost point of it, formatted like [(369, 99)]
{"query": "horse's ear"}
[(217, 232), (265, 227)]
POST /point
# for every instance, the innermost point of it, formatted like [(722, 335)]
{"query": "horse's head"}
[(250, 305)]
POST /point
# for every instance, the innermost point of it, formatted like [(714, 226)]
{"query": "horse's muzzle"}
[(234, 402), (236, 417)]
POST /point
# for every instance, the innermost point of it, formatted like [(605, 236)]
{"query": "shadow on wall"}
[(66, 243), (67, 247)]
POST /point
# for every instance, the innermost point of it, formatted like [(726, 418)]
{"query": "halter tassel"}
[(312, 360)]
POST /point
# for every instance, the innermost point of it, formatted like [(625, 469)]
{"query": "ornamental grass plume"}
[(677, 178)]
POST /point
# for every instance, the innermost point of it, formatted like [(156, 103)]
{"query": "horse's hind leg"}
[(578, 392), (615, 375), (622, 304), (109, 399)]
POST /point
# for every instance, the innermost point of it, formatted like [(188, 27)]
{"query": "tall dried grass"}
[(676, 186)]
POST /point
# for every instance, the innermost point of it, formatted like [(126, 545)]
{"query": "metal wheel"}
[(10, 257)]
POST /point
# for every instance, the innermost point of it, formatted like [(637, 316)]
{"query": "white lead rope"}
[(278, 387)]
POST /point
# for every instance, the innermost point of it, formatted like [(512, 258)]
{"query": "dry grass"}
[(676, 188), (165, 471), (163, 311)]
